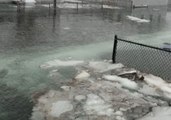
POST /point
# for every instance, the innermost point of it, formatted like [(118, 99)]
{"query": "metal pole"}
[(77, 6), (54, 4), (114, 49)]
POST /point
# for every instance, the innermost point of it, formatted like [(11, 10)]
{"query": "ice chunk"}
[(66, 88), (96, 106), (60, 107), (136, 19), (123, 81), (80, 97), (82, 76), (148, 90), (110, 7), (104, 66), (56, 63), (159, 113)]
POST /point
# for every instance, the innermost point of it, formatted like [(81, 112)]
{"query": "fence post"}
[(114, 49), (77, 6)]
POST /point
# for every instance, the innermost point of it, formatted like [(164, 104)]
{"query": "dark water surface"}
[(32, 36)]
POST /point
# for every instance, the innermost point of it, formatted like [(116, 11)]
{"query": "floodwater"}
[(32, 36)]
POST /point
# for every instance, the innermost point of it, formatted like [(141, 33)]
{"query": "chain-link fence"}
[(142, 57)]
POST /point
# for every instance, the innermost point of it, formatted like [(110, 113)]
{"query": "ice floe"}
[(95, 105), (138, 20), (60, 107), (104, 66), (123, 81), (158, 113), (82, 76), (95, 91), (57, 63)]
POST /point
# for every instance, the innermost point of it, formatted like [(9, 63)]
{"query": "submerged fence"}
[(145, 58)]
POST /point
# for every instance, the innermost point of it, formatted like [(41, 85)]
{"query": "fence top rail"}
[(153, 47)]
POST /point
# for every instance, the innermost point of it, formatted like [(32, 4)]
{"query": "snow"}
[(57, 63), (158, 113), (60, 107), (110, 7), (67, 28), (82, 76), (70, 1), (136, 19), (104, 66), (30, 1), (95, 105), (123, 81)]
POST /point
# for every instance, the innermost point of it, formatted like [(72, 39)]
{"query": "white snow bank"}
[(60, 107), (67, 5), (158, 83), (110, 7), (159, 113), (30, 1), (82, 76), (70, 1), (123, 81), (104, 66), (57, 63), (136, 19), (95, 105)]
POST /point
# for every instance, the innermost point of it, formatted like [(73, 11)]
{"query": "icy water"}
[(30, 37)]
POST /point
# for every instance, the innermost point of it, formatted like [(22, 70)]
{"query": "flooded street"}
[(32, 36)]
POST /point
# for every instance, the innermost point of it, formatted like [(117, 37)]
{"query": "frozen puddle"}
[(100, 90)]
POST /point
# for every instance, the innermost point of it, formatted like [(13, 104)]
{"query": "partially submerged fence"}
[(148, 59)]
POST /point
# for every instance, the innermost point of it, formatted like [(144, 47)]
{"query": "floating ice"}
[(158, 113), (160, 84), (56, 63), (104, 66), (96, 106), (123, 81), (60, 107), (138, 19), (66, 88), (82, 76), (80, 97), (110, 7)]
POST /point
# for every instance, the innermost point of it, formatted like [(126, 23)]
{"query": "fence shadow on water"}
[(142, 57)]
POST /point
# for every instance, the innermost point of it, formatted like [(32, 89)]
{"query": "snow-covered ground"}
[(102, 90)]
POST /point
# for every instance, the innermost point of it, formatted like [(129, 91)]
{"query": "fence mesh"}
[(145, 59)]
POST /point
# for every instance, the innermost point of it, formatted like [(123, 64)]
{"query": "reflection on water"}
[(29, 37)]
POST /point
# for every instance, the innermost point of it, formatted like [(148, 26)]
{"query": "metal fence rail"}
[(148, 59)]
